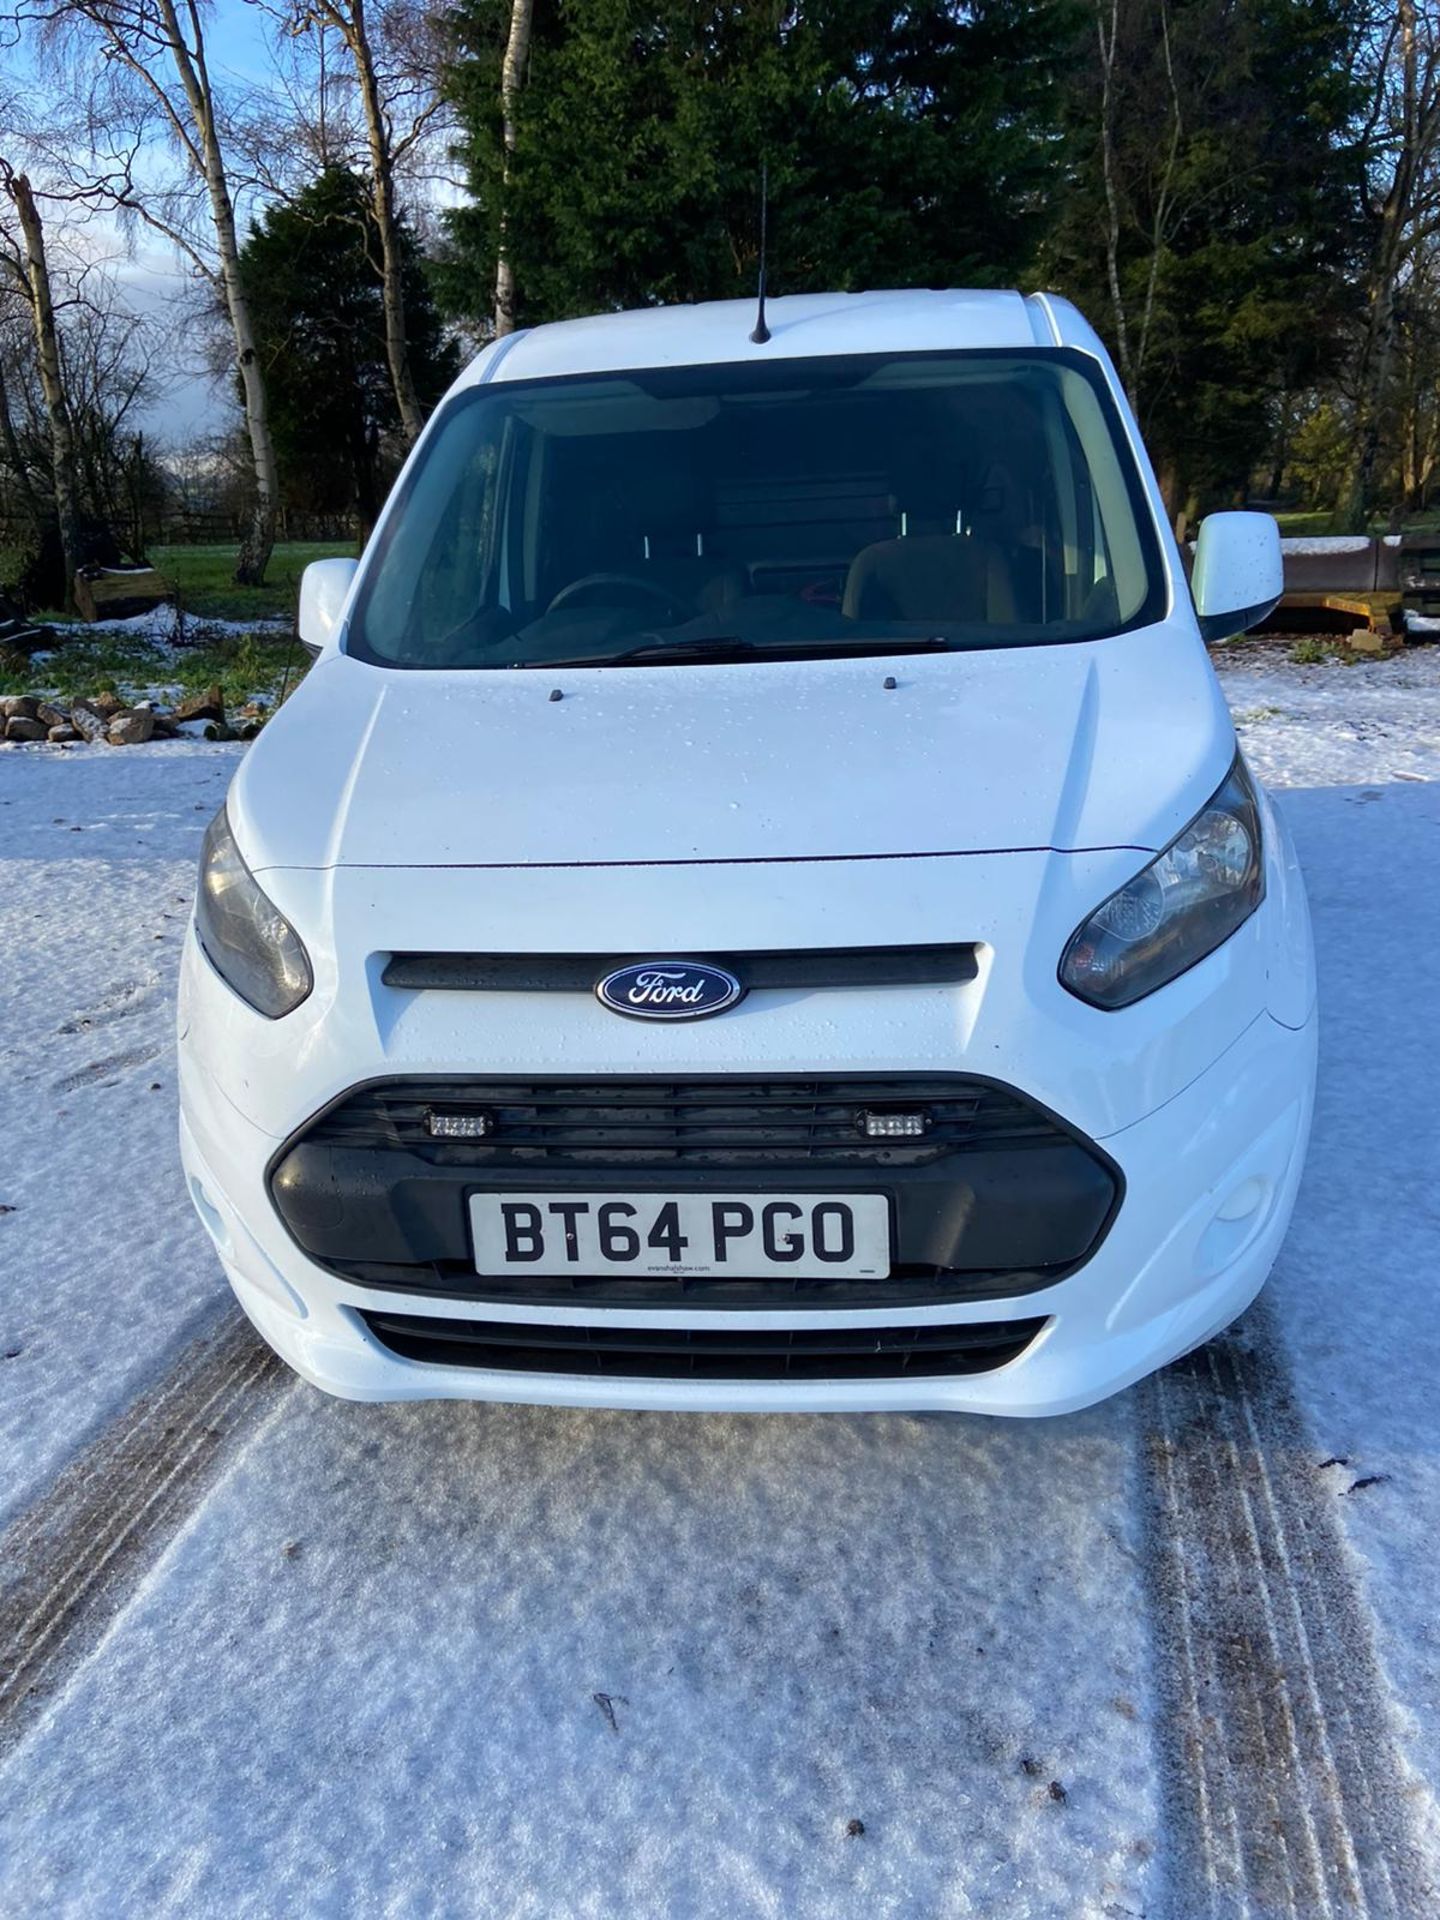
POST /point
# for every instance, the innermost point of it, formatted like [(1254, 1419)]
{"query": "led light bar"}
[(459, 1126), (894, 1126)]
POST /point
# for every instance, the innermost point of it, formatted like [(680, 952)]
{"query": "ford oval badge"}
[(669, 990)]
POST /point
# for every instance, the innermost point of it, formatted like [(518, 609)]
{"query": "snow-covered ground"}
[(1353, 752), (1349, 720), (103, 1268), (465, 1660)]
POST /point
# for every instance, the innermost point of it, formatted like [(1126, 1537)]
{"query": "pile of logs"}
[(27, 718)]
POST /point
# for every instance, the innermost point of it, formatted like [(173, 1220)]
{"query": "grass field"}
[(202, 578), (1298, 526), (243, 666), (114, 658)]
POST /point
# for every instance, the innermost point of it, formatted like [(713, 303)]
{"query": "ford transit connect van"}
[(758, 903)]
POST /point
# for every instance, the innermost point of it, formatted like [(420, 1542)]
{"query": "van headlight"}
[(1190, 898), (248, 941)]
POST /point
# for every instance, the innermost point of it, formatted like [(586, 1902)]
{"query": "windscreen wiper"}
[(729, 646), (654, 647)]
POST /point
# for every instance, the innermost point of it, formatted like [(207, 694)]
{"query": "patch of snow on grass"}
[(1326, 543), (158, 626)]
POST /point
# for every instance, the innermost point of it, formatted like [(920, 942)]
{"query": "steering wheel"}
[(648, 589)]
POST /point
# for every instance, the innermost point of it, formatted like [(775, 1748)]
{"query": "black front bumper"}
[(999, 1197)]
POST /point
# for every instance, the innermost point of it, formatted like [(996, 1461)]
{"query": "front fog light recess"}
[(1190, 899), (246, 938)]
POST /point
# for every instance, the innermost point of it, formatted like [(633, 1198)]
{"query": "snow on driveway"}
[(1341, 722), (379, 1672), (1352, 752), (458, 1659), (104, 1268)]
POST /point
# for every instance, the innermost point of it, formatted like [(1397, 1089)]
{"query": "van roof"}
[(802, 324)]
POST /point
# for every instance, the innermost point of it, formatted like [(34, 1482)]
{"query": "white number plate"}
[(747, 1235)]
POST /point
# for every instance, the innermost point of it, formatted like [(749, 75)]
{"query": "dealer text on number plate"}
[(747, 1235)]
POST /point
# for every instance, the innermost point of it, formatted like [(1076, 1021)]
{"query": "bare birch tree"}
[(154, 74), (1107, 27), (23, 255), (1402, 138), (512, 76), (1132, 350), (13, 456), (393, 60), (1418, 380)]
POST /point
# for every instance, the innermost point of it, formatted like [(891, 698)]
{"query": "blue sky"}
[(195, 402), (157, 280), (189, 401)]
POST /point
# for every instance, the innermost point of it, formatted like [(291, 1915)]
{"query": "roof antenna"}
[(761, 333)]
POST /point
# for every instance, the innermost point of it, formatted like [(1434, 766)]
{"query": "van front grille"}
[(789, 967), (729, 1121), (989, 1193)]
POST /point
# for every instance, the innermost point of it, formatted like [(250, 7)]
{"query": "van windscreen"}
[(780, 508)]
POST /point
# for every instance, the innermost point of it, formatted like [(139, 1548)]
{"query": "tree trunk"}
[(1162, 200), (1418, 133), (1171, 483), (1422, 433), (52, 380), (1280, 452), (1112, 202), (392, 257), (1373, 381), (259, 538), (517, 51), (254, 555), (15, 459)]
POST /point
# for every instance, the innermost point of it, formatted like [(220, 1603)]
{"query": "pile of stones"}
[(107, 719)]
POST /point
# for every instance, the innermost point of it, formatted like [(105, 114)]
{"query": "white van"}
[(758, 903)]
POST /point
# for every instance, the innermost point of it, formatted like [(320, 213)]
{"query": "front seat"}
[(951, 578)]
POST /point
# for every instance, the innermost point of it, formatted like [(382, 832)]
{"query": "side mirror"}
[(324, 586), (1238, 574)]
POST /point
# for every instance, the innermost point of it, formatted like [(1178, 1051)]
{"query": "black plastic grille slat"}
[(798, 1353), (635, 1122), (780, 967), (908, 1284)]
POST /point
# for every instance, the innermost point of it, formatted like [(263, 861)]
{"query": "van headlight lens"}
[(1190, 898), (248, 941)]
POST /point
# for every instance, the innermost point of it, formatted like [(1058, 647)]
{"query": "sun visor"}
[(577, 413)]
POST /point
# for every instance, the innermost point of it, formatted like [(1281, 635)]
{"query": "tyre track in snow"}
[(1284, 1790), (71, 1561)]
